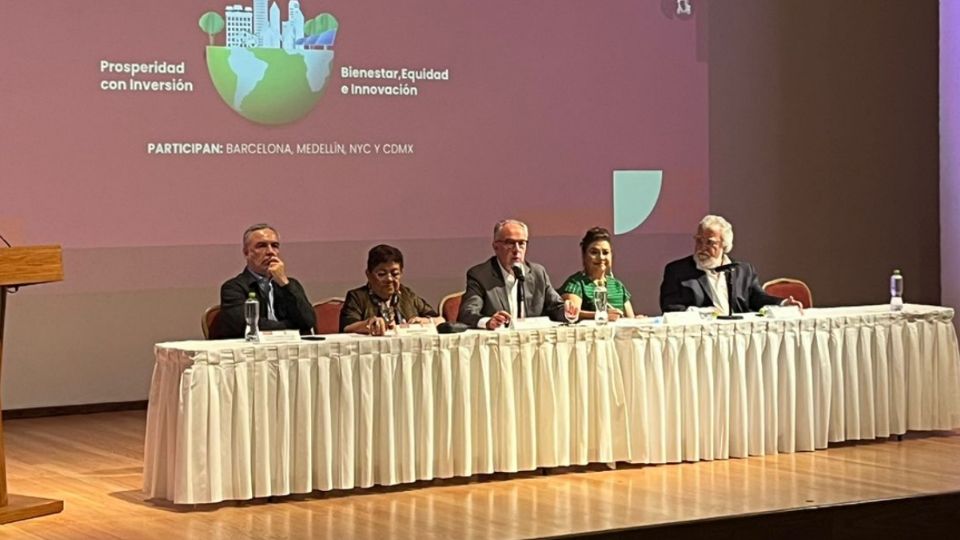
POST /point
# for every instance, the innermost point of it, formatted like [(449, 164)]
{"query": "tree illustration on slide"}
[(212, 23)]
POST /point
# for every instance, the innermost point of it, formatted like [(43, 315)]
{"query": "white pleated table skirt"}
[(229, 420)]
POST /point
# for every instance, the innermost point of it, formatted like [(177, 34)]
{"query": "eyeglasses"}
[(519, 244), (383, 275), (709, 242)]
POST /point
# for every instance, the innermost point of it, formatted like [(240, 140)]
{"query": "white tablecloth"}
[(230, 420)]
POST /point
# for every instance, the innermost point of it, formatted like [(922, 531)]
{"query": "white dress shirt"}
[(718, 283), (266, 287), (510, 282)]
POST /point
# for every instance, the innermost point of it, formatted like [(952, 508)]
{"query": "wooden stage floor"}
[(94, 463)]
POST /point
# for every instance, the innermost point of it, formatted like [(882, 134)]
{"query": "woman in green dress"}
[(597, 255)]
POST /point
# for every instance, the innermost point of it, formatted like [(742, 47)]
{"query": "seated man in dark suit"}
[(694, 282), (491, 298), (283, 302)]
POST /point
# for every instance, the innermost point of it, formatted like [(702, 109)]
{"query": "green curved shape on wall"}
[(635, 195)]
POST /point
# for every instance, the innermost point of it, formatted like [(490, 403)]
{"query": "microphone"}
[(451, 328), (726, 267), (521, 297)]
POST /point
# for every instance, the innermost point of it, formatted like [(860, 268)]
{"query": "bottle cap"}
[(252, 295), (896, 271)]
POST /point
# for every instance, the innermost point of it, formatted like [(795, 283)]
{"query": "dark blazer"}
[(290, 305), (486, 294), (360, 306), (684, 285)]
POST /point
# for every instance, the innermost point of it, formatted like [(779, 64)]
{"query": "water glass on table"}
[(571, 312)]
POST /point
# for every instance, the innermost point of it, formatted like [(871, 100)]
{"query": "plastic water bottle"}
[(251, 312), (600, 304), (896, 291)]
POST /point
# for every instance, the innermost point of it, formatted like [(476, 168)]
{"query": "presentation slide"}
[(180, 122)]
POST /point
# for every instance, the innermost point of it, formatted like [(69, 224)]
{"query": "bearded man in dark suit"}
[(694, 281)]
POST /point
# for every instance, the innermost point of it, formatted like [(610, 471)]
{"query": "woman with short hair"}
[(383, 302)]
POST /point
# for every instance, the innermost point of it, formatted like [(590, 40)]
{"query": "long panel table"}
[(232, 420)]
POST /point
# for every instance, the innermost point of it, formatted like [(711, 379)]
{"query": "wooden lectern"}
[(24, 266)]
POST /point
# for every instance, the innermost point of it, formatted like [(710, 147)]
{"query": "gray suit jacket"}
[(684, 285), (486, 294)]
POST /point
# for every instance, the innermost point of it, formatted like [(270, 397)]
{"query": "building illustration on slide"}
[(257, 26), (270, 70)]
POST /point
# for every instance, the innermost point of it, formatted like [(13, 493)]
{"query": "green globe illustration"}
[(269, 86), (271, 71)]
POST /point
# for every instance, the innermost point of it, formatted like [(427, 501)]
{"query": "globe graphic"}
[(269, 85)]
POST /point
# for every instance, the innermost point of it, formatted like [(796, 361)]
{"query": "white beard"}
[(709, 263)]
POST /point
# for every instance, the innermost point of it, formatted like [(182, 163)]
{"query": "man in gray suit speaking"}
[(507, 286)]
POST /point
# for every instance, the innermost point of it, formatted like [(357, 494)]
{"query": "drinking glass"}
[(571, 312)]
